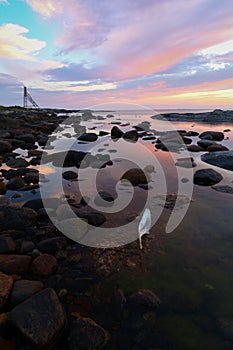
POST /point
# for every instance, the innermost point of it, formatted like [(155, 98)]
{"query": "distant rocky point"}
[(216, 116)]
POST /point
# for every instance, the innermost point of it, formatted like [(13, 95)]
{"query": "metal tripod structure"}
[(28, 98)]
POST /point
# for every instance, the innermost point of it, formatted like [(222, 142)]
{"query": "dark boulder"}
[(116, 133), (39, 319), (15, 218), (207, 177), (213, 135)]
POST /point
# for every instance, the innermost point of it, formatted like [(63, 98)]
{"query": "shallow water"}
[(190, 269)]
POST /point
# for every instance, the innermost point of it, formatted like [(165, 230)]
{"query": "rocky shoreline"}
[(50, 286)]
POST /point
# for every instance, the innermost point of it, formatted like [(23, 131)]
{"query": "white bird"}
[(144, 225)]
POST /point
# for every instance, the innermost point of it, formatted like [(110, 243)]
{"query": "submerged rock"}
[(44, 265), (223, 189), (14, 264), (6, 283), (146, 298), (207, 177), (85, 334), (15, 183), (24, 289), (217, 148), (195, 148), (135, 176), (222, 159), (40, 318), (7, 245)]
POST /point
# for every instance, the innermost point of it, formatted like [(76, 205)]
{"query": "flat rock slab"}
[(40, 318), (85, 334), (6, 283), (24, 289), (14, 264), (222, 159), (223, 189)]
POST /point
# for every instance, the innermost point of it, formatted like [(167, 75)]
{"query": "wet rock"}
[(37, 204), (44, 265), (26, 247), (15, 218), (103, 133), (5, 147), (217, 148), (11, 173), (15, 183), (131, 136), (18, 163), (145, 298), (135, 176), (14, 264), (212, 135), (6, 283), (195, 148), (27, 138), (148, 138), (88, 137), (31, 178), (35, 153), (222, 159), (24, 289), (40, 318), (223, 189), (205, 143), (7, 244), (109, 116), (42, 140), (185, 162), (85, 334), (52, 245), (116, 133), (207, 177), (65, 159), (95, 219), (69, 175), (227, 130)]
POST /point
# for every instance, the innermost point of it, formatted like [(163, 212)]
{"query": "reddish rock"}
[(44, 265), (39, 319), (195, 148), (6, 283), (217, 148), (14, 264)]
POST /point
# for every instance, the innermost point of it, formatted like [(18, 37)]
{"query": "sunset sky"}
[(79, 53)]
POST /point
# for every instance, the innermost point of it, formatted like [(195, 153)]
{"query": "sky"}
[(81, 53)]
